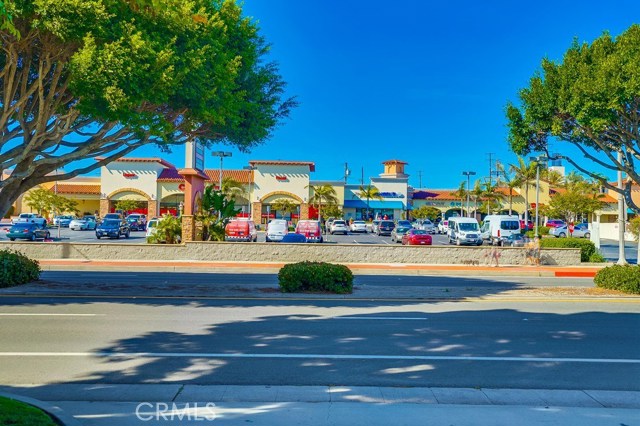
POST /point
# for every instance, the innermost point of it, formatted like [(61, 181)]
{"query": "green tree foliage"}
[(285, 206), (44, 201), (168, 230), (581, 197), (333, 210), (506, 178), (525, 177), (591, 100), (217, 209), (86, 79), (231, 188), (491, 198), (127, 205), (323, 195), (426, 212), (461, 193)]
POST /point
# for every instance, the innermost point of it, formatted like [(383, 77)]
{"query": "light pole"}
[(251, 169), (622, 260), (539, 159), (468, 175), (221, 154)]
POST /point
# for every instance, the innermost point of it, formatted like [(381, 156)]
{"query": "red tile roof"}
[(242, 176), (140, 160), (76, 189), (394, 162), (312, 166)]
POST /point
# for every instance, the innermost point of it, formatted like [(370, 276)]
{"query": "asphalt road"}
[(490, 344)]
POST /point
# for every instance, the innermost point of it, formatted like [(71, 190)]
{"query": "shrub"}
[(597, 258), (315, 276), (587, 248), (16, 269), (618, 277), (542, 230)]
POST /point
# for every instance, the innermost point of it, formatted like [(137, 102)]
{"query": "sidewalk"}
[(98, 405), (357, 268)]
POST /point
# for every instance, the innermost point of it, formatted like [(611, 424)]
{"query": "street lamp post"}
[(538, 160), (468, 174), (221, 154)]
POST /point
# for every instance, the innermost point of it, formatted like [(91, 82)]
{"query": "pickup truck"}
[(30, 217)]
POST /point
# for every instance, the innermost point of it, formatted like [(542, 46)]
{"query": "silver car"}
[(82, 224), (580, 230), (427, 225), (358, 226)]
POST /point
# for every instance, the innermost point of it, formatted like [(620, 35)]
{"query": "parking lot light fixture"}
[(539, 159), (468, 174), (251, 169), (221, 154)]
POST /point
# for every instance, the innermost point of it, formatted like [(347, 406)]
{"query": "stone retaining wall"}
[(278, 252)]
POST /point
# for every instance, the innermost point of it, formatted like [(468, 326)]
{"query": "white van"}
[(497, 228), (464, 230), (276, 229)]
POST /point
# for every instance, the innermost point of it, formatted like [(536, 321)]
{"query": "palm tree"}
[(510, 181), (323, 194), (525, 175), (476, 193), (461, 193), (232, 188), (554, 178), (491, 195), (369, 192), (285, 206)]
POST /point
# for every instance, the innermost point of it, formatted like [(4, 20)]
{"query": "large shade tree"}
[(81, 79), (590, 100)]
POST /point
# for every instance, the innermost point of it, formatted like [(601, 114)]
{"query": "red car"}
[(555, 223), (528, 227), (416, 237)]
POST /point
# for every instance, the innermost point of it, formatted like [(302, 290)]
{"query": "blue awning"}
[(374, 205)]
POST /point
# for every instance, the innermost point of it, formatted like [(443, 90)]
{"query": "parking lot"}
[(138, 237)]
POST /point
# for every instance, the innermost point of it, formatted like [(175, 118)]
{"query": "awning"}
[(374, 205)]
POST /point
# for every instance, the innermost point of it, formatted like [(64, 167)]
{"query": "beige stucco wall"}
[(113, 180), (278, 252), (297, 182)]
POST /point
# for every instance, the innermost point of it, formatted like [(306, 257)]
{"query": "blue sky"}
[(421, 81)]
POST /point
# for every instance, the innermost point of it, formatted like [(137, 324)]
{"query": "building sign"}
[(194, 155), (129, 175), (391, 195), (199, 156), (181, 187), (281, 178)]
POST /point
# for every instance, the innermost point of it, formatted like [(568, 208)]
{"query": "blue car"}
[(27, 231), (293, 238)]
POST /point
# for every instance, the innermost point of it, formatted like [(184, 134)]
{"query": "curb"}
[(55, 412)]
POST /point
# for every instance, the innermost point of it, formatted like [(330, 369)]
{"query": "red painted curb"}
[(575, 274)]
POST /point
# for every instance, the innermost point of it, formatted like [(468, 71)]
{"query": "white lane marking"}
[(109, 274), (381, 318), (314, 356), (11, 314)]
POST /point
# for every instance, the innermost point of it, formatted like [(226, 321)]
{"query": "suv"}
[(385, 227), (112, 228), (30, 218), (339, 225)]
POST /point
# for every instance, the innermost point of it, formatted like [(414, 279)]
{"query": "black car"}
[(112, 228), (135, 224), (385, 227)]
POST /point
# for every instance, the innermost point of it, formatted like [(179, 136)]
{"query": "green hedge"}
[(315, 276), (542, 230), (587, 248), (617, 277), (16, 269)]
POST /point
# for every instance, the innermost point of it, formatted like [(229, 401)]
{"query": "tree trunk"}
[(510, 201), (8, 195), (526, 203)]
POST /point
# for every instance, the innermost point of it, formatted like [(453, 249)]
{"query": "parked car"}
[(27, 231), (241, 230), (443, 226), (374, 226), (134, 223), (464, 230), (580, 230), (112, 228), (63, 221), (327, 224), (385, 227), (404, 224), (293, 238), (339, 226), (30, 218), (554, 223), (514, 240), (141, 218), (358, 226), (151, 227), (416, 237), (276, 229), (426, 225), (310, 229), (398, 232), (83, 224), (118, 216), (497, 228), (527, 227)]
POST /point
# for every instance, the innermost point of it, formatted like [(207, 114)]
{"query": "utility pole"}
[(420, 178), (362, 177), (490, 154), (347, 172)]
